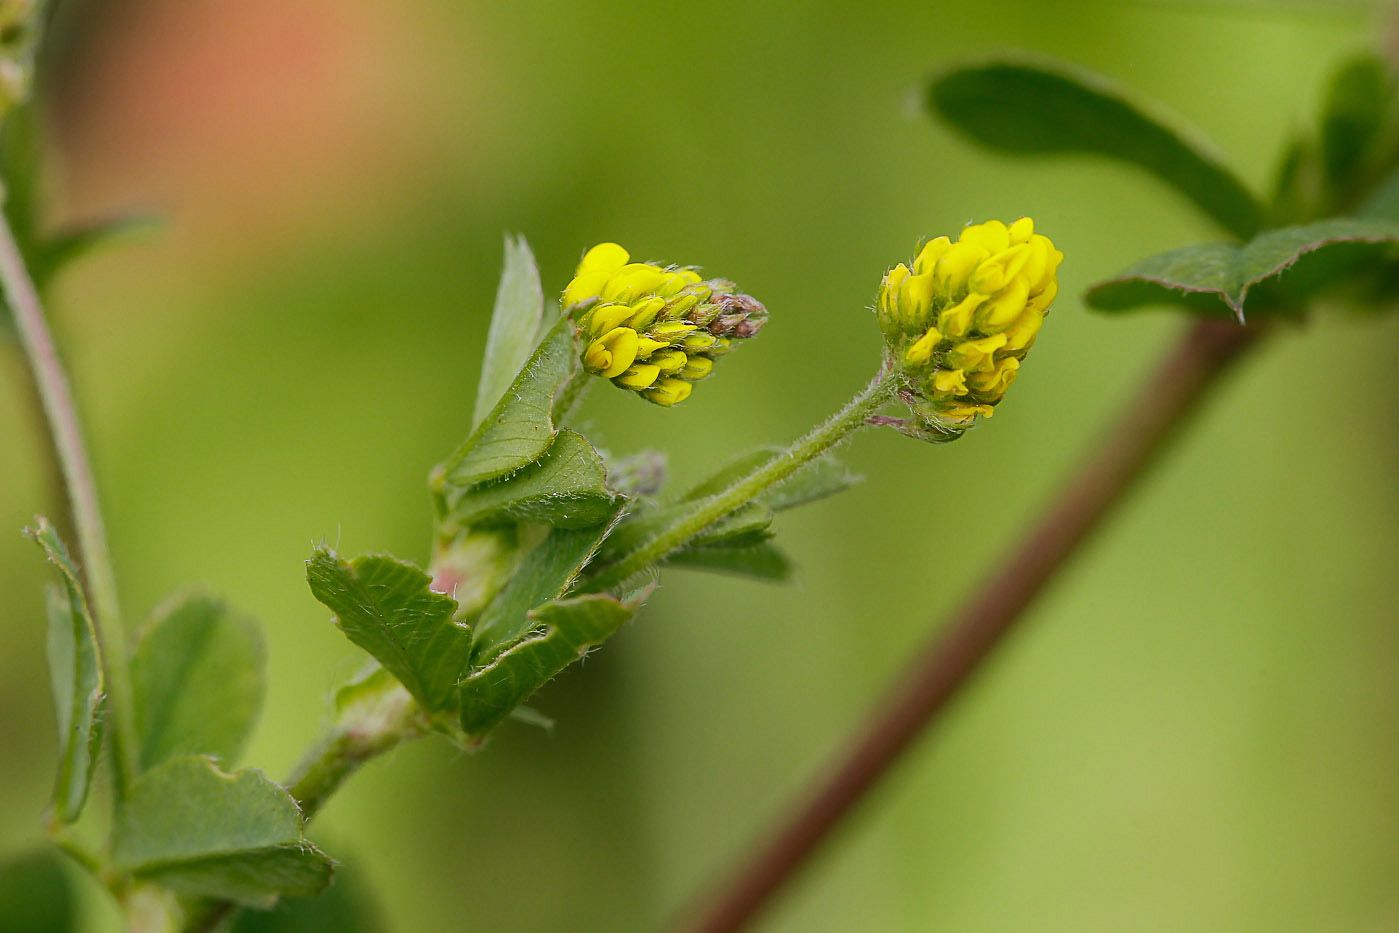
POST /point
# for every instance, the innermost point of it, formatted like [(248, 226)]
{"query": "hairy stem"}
[(51, 383), (1170, 395), (706, 512)]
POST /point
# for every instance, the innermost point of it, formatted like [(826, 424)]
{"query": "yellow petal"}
[(932, 251), (949, 382), (584, 287), (697, 368), (975, 356), (669, 361), (991, 236), (632, 281), (916, 301), (605, 257), (1021, 334), (954, 268), (638, 376), (998, 313), (921, 350), (604, 318), (644, 312), (957, 320), (669, 391), (1044, 299), (1021, 230), (621, 343), (646, 347)]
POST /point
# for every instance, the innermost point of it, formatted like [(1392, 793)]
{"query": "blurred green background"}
[(1198, 731)]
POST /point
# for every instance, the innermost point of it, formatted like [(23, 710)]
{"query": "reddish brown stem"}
[(1172, 393)]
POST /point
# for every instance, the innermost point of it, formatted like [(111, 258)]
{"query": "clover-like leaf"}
[(197, 679), (566, 488), (202, 832), (519, 308), (1217, 278), (521, 425), (561, 632), (75, 671), (388, 608), (760, 560), (545, 573), (1029, 104)]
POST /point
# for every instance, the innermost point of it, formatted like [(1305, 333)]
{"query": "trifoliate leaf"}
[(1216, 278), (519, 307), (197, 676), (561, 633), (75, 671), (1029, 104), (566, 488), (386, 607), (761, 561), (545, 573), (202, 832), (521, 425)]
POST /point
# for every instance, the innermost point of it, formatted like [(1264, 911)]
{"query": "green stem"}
[(376, 724), (66, 430), (853, 416)]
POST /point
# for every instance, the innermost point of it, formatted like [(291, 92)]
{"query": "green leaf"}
[(519, 308), (1027, 104), (761, 561), (197, 677), (566, 488), (36, 895), (387, 607), (75, 671), (1358, 105), (563, 633), (1217, 277), (201, 832), (346, 907), (54, 253), (546, 573), (521, 425)]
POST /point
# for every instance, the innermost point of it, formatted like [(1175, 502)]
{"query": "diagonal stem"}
[(823, 437), (1170, 395), (51, 384)]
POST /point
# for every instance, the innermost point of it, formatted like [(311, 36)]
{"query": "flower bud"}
[(655, 330), (962, 318)]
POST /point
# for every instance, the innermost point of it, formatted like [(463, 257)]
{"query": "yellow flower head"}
[(655, 330), (963, 316)]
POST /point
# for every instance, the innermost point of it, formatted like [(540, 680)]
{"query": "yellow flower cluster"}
[(965, 315), (652, 329)]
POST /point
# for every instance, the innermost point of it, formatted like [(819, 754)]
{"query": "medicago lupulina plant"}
[(542, 548)]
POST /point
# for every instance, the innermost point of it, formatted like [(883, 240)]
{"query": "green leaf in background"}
[(761, 561), (201, 832), (566, 488), (386, 607), (545, 574), (1358, 108), (197, 675), (564, 631), (521, 425), (75, 671), (1027, 104), (1217, 277), (36, 895), (519, 308)]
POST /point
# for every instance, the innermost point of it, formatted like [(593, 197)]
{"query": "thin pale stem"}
[(706, 512), (66, 430), (923, 691)]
